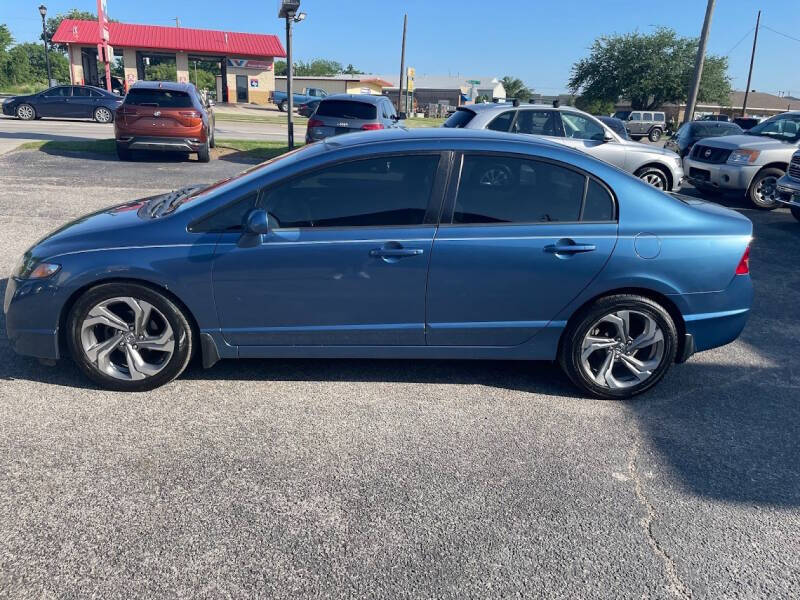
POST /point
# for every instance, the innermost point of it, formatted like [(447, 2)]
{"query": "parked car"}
[(789, 186), (724, 118), (747, 123), (617, 126), (369, 247), (750, 163), (684, 139), (643, 123), (308, 108), (164, 116), (349, 113), (577, 129), (308, 94), (70, 101)]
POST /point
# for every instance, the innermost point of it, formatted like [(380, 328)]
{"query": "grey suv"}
[(643, 123), (349, 113), (577, 129), (751, 163)]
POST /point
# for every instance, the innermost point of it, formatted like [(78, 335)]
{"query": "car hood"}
[(107, 228), (753, 142)]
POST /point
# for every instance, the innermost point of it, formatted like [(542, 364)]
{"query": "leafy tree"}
[(594, 106), (280, 68), (648, 69), (351, 70), (515, 88), (319, 67), (6, 39)]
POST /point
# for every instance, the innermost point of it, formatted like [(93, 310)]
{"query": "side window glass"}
[(502, 122), (599, 205), (579, 127), (659, 116), (636, 116), (227, 219), (541, 122), (95, 94), (392, 190), (81, 92), (499, 189), (58, 92), (647, 116)]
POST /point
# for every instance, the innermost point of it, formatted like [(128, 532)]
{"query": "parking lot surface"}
[(409, 479)]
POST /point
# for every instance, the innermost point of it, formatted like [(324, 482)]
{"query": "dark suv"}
[(165, 116)]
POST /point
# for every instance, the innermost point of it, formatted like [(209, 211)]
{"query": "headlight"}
[(30, 268), (743, 157)]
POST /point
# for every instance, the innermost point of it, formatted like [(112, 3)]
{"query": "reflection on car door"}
[(345, 262), (524, 239), (585, 134), (82, 102), (55, 102)]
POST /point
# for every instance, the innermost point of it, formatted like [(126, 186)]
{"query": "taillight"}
[(743, 267), (190, 118), (315, 123), (372, 126)]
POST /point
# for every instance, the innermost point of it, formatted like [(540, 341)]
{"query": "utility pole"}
[(752, 59), (402, 66), (177, 22), (698, 63)]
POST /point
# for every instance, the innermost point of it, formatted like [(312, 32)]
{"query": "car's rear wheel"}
[(103, 115), (204, 153), (123, 153), (284, 106), (26, 112), (763, 190), (620, 346), (128, 337), (655, 134), (654, 176)]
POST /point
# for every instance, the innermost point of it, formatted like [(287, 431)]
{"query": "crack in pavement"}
[(676, 585)]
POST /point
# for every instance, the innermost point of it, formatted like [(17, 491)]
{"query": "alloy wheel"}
[(103, 115), (766, 190), (622, 349), (127, 338), (655, 180), (25, 112)]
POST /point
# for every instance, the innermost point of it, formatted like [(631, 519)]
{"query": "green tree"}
[(280, 68), (647, 69), (594, 106), (351, 70), (319, 67), (515, 88), (33, 54)]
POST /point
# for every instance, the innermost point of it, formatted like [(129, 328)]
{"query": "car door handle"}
[(569, 248), (395, 252)]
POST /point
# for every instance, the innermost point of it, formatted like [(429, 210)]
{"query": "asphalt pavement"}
[(394, 479)]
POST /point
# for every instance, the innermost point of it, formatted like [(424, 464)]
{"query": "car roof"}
[(163, 85), (365, 98)]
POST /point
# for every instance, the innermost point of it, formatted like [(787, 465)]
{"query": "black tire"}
[(758, 195), (654, 176), (26, 112), (655, 134), (569, 356), (123, 153), (796, 212), (283, 106), (103, 115), (212, 142), (182, 330), (204, 154)]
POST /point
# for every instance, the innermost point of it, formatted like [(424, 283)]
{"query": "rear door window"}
[(647, 116), (659, 116), (582, 128), (459, 119), (347, 109), (539, 122), (158, 98), (59, 92), (503, 121)]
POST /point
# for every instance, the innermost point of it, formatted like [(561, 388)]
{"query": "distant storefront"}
[(243, 63)]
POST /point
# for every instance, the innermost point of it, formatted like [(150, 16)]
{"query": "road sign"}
[(474, 81)]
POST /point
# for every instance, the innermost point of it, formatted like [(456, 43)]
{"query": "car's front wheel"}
[(284, 106), (620, 346), (763, 190), (103, 115), (128, 337), (26, 112), (654, 176)]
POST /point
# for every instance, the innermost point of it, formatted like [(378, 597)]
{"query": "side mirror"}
[(607, 137), (401, 116), (210, 103), (256, 222)]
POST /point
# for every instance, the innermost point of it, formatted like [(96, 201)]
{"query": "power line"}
[(786, 35), (749, 31)]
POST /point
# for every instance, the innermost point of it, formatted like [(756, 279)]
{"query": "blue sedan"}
[(70, 101), (394, 244)]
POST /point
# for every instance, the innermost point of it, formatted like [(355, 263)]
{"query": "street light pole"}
[(289, 94), (698, 64), (43, 12)]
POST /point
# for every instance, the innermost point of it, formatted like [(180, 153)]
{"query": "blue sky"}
[(536, 41)]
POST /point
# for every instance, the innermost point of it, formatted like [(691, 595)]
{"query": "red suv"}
[(166, 116)]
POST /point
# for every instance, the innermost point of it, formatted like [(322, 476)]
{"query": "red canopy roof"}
[(156, 37)]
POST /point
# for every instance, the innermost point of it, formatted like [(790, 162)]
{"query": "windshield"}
[(784, 127)]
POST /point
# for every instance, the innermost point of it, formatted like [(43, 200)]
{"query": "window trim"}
[(510, 125), (454, 183), (433, 211)]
